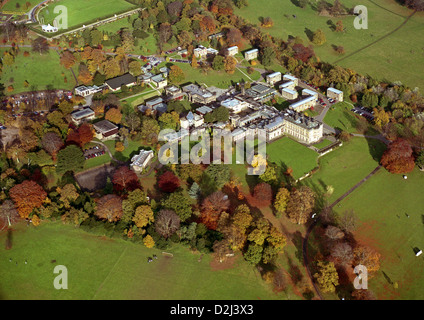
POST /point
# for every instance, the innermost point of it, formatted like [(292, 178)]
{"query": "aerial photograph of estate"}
[(212, 150)]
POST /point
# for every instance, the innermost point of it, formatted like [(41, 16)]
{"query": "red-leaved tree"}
[(124, 179), (168, 182), (398, 157)]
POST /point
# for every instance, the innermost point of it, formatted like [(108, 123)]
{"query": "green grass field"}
[(218, 79), (19, 5), (80, 12), (103, 268), (292, 154), (381, 204), (38, 70), (346, 166), (384, 16)]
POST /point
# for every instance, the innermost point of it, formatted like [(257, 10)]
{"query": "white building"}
[(87, 90), (49, 28), (251, 54), (191, 120), (82, 115), (232, 51), (235, 105), (335, 94), (273, 78), (141, 160)]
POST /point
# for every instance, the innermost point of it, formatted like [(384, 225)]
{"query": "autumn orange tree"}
[(27, 196), (109, 207), (114, 115), (212, 206), (398, 158)]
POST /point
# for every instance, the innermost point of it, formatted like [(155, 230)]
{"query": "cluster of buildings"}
[(247, 114)]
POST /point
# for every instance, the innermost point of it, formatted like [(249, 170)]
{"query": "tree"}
[(339, 26), (40, 45), (8, 214), (114, 115), (68, 194), (318, 37), (398, 157), (381, 117), (342, 252), (234, 37), (367, 257), (281, 201), (348, 221), (230, 64), (168, 182), (242, 217), (334, 233), (212, 206), (327, 276), (109, 207), (143, 216), (194, 63), (253, 255), (150, 130), (176, 74), (267, 22), (167, 223), (148, 241), (67, 59), (135, 68), (300, 205), (70, 158), (303, 3), (194, 191), (262, 194), (27, 196), (268, 56), (84, 74), (124, 179), (218, 63), (178, 203)]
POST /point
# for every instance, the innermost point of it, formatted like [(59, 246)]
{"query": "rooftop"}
[(78, 115), (116, 83), (104, 126)]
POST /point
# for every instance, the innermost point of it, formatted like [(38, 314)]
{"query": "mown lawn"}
[(346, 166), (38, 70), (80, 11), (382, 205), (103, 268), (384, 16), (288, 153)]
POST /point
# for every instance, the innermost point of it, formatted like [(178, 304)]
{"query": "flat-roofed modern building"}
[(307, 92), (127, 79), (83, 115), (141, 160), (159, 81), (232, 51), (273, 78), (235, 105), (88, 90), (289, 77), (260, 92), (105, 130), (289, 94), (335, 94), (196, 94), (251, 54), (303, 104)]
